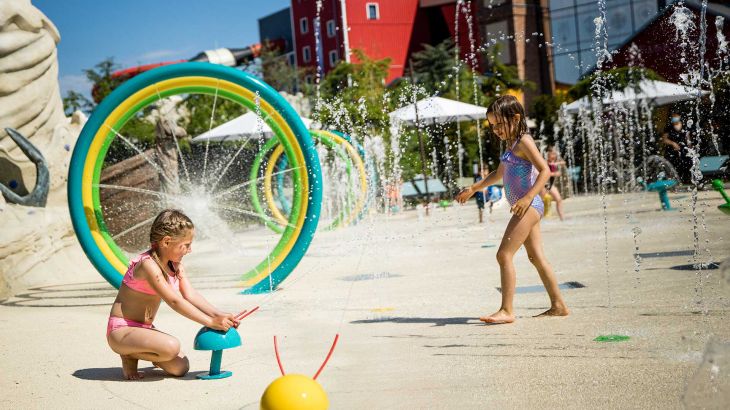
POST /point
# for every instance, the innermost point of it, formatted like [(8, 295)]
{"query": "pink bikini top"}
[(141, 285)]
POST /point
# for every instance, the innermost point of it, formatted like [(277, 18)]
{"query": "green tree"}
[(356, 90), (719, 114), (544, 110), (101, 77), (282, 76), (201, 116), (102, 84), (433, 67), (74, 101), (139, 130), (499, 77), (613, 79), (481, 88)]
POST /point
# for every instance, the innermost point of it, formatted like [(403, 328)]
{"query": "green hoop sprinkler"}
[(725, 208)]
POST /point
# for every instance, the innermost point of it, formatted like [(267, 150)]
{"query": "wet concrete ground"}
[(404, 293)]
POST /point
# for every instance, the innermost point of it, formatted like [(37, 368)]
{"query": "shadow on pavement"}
[(435, 321), (114, 374)]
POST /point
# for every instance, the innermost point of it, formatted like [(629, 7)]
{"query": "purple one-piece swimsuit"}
[(519, 176)]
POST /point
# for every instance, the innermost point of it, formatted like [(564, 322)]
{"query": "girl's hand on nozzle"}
[(233, 319), (464, 195), (222, 322)]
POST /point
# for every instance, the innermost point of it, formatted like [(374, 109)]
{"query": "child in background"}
[(153, 276), (487, 196), (481, 196), (524, 172), (554, 162)]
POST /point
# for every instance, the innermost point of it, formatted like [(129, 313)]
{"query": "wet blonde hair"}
[(505, 108), (170, 222)]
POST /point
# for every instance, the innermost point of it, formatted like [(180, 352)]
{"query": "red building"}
[(387, 28)]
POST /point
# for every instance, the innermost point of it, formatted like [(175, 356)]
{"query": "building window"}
[(308, 79), (333, 57), (290, 59), (331, 28), (306, 54), (303, 26), (373, 11)]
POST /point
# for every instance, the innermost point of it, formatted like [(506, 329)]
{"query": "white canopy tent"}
[(656, 92), (437, 110), (248, 125)]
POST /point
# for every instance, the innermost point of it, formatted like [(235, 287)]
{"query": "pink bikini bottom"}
[(120, 322)]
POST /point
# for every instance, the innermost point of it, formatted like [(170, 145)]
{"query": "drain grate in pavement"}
[(370, 276), (541, 288), (664, 254)]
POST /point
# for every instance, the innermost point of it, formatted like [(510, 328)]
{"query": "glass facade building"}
[(573, 30)]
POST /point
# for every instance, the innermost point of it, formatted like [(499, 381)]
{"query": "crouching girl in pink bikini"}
[(152, 276)]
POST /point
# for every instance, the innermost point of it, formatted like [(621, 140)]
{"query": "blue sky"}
[(138, 32)]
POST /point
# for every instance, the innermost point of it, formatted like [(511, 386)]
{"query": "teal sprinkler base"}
[(724, 208), (221, 375), (215, 368), (216, 341), (661, 187), (611, 338)]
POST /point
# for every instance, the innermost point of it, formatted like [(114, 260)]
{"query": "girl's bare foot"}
[(558, 310), (129, 368), (500, 317)]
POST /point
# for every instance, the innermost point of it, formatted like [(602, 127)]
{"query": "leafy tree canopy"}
[(614, 79)]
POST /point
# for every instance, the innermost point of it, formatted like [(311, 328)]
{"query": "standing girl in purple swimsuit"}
[(524, 173)]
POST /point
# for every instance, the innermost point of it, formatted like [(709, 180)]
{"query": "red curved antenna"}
[(337, 336), (244, 315), (278, 359)]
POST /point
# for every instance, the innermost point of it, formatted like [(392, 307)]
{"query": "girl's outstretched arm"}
[(152, 273), (491, 179), (191, 295)]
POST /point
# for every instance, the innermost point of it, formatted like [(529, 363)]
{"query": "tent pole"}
[(420, 138)]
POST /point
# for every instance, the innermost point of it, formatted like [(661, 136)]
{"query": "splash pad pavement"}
[(404, 292)]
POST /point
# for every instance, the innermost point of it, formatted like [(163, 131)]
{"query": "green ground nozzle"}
[(725, 208), (611, 338)]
